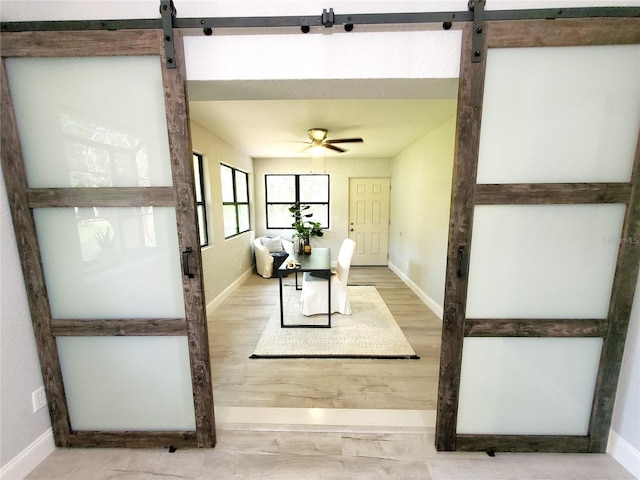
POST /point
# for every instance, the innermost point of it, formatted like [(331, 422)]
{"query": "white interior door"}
[(369, 220)]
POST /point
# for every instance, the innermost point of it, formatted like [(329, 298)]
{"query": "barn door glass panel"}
[(547, 113), (105, 263), (543, 261), (527, 386), (125, 383), (91, 122)]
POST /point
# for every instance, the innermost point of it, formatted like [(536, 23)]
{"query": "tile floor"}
[(388, 446)]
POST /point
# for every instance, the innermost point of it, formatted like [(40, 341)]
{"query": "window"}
[(235, 200), (198, 170), (284, 190)]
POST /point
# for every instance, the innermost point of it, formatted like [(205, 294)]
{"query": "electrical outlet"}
[(38, 399)]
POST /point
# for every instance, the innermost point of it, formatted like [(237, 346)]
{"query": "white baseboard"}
[(22, 464), (429, 302), (624, 453), (215, 303)]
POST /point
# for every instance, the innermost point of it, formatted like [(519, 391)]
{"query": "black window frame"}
[(201, 206), (297, 197), (236, 203)]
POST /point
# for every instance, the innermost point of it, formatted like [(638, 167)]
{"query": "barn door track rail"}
[(168, 21)]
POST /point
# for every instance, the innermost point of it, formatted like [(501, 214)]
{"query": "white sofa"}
[(264, 247)]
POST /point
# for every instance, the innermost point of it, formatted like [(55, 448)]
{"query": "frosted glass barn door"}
[(98, 167), (544, 250)]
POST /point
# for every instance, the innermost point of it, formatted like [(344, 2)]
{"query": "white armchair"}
[(314, 296), (264, 247)]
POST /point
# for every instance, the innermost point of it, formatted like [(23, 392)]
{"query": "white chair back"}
[(344, 260)]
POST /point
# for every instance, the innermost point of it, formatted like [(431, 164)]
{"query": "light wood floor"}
[(236, 325)]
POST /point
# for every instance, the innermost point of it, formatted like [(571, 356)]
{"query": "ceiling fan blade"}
[(345, 140), (331, 147)]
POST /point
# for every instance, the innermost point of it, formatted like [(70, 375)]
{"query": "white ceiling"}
[(277, 128)]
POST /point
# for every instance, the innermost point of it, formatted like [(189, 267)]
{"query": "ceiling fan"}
[(319, 138)]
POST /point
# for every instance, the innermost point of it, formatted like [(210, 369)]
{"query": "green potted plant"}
[(304, 226)]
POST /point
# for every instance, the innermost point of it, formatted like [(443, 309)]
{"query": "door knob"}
[(351, 229)]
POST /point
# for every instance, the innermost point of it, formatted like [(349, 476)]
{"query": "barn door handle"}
[(463, 261), (185, 262)]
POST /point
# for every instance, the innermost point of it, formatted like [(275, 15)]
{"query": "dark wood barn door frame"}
[(466, 194), (180, 196)]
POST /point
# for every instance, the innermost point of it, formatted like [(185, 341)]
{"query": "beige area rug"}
[(369, 332)]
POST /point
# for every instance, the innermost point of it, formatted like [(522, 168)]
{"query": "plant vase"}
[(304, 227)]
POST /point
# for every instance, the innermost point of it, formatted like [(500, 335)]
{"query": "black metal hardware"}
[(295, 21), (185, 262), (168, 13), (477, 40), (463, 262), (328, 18)]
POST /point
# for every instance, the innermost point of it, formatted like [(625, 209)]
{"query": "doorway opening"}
[(412, 283)]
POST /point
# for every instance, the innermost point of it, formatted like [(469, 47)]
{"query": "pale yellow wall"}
[(224, 260), (340, 170), (420, 201)]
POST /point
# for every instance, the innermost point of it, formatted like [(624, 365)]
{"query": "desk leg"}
[(281, 305), (329, 300)]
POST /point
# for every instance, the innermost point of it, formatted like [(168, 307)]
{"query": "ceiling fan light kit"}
[(317, 134), (319, 138)]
